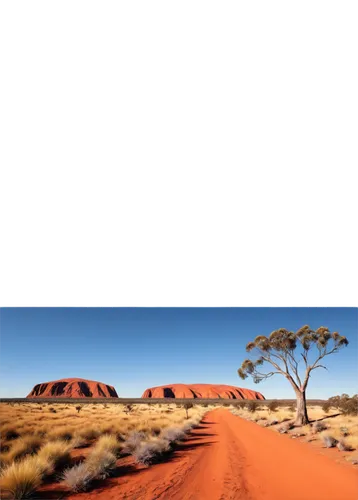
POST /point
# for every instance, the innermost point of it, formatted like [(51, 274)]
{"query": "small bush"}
[(78, 478), (109, 443), (133, 441), (21, 479), (150, 451), (252, 406), (326, 406), (285, 428), (101, 463), (56, 453), (342, 445), (173, 434), (318, 427), (329, 441), (272, 405)]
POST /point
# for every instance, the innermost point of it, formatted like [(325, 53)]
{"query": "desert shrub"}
[(272, 405), (52, 410), (56, 453), (78, 478), (78, 408), (27, 445), (101, 463), (21, 479), (342, 445), (252, 406), (318, 427), (109, 443), (150, 451), (326, 406), (329, 441), (78, 442), (272, 421), (133, 441), (285, 428), (173, 434)]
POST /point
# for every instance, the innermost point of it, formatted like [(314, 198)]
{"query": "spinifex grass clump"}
[(342, 445), (318, 427), (78, 478), (329, 441), (21, 479), (151, 451)]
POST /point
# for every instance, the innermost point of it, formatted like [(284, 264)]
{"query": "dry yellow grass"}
[(343, 428), (22, 478), (49, 432)]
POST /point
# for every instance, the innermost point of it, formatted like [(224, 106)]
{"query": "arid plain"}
[(230, 450)]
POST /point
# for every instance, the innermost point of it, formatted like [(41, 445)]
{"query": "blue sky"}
[(136, 348)]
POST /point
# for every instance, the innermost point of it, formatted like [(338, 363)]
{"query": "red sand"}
[(201, 391), (73, 388), (228, 458)]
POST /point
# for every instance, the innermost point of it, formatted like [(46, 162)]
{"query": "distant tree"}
[(272, 405), (187, 407), (252, 406), (283, 350), (78, 408)]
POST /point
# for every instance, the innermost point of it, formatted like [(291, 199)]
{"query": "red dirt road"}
[(228, 458)]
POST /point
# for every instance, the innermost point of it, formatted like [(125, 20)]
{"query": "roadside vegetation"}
[(38, 441), (333, 424)]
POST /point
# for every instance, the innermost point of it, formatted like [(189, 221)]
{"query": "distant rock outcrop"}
[(73, 388), (202, 391)]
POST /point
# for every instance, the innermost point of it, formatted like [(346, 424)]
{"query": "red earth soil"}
[(73, 388), (202, 391), (228, 458)]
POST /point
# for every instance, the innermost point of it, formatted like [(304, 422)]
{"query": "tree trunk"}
[(301, 415)]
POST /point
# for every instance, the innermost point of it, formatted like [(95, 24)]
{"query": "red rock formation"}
[(73, 388), (203, 391)]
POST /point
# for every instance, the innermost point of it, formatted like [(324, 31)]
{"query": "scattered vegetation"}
[(272, 405), (37, 443), (21, 479), (252, 406)]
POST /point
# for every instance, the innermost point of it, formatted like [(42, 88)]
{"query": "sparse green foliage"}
[(347, 405), (284, 350)]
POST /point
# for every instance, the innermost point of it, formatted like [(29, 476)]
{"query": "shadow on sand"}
[(324, 418)]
